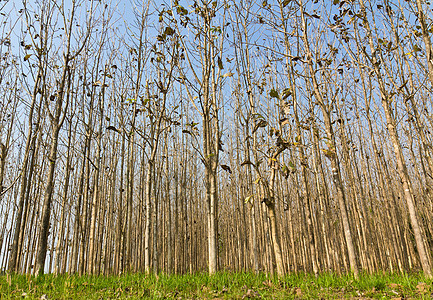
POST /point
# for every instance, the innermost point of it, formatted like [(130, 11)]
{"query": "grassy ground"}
[(221, 286)]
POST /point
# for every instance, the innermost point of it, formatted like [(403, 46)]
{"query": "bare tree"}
[(205, 88), (57, 117)]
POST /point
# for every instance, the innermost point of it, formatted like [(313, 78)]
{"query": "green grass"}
[(224, 285)]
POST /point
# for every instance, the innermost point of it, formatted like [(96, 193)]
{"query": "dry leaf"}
[(422, 287), (268, 283), (226, 168), (251, 294), (284, 121), (298, 292), (394, 285)]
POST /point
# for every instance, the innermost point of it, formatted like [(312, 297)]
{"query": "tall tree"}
[(61, 98), (204, 89)]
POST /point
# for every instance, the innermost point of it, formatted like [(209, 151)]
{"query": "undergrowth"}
[(224, 285)]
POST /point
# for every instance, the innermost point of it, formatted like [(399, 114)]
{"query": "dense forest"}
[(186, 136)]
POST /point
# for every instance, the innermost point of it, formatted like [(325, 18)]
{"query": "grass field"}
[(224, 285)]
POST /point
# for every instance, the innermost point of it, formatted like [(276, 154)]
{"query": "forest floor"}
[(224, 285)]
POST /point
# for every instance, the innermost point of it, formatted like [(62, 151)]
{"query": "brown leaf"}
[(226, 168), (394, 285), (220, 63), (112, 128), (274, 93), (329, 153), (286, 108), (268, 283), (247, 162), (284, 121), (205, 288), (422, 287), (187, 131), (251, 294), (169, 31), (261, 123)]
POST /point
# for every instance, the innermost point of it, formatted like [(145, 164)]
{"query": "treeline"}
[(274, 136)]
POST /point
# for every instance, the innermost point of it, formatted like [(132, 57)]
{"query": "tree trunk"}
[(57, 122)]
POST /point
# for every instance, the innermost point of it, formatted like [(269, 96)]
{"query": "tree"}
[(205, 88), (57, 117)]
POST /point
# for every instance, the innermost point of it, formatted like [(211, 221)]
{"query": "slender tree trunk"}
[(60, 238), (26, 178), (46, 208)]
